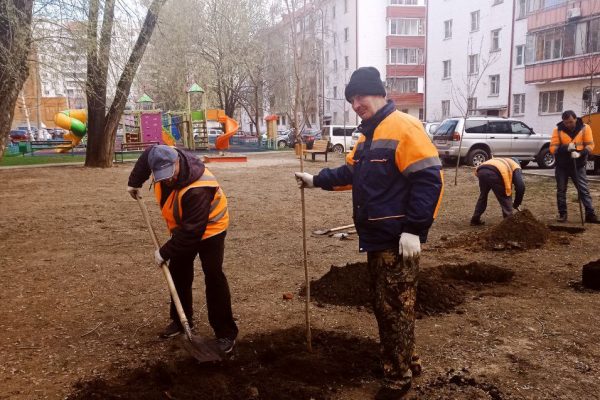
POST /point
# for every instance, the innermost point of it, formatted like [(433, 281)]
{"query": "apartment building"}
[(468, 58), (561, 41), (386, 34), (528, 59)]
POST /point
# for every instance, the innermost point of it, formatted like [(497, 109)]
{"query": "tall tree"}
[(102, 125), (15, 43)]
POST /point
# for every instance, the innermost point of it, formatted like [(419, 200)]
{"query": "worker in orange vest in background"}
[(498, 175), (571, 143)]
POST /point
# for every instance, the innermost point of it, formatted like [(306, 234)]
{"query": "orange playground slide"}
[(230, 126)]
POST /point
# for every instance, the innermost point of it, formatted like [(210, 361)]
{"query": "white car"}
[(339, 136)]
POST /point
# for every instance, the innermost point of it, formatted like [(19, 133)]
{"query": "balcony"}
[(558, 15), (569, 68), (406, 12), (406, 99)]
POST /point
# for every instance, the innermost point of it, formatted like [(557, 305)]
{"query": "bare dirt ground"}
[(82, 301)]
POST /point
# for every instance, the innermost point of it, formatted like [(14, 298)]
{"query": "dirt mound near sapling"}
[(349, 286), (519, 231)]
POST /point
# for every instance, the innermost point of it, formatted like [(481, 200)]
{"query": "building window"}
[(447, 69), (471, 105), (346, 34), (421, 114), (335, 114), (407, 27), (522, 8), (496, 2), (345, 6), (545, 45), (333, 12), (518, 104), (334, 65), (448, 29), (475, 21), (519, 55), (346, 62), (334, 39), (403, 2), (335, 92), (327, 81), (551, 102), (328, 106), (346, 116), (405, 56), (494, 85), (403, 85), (327, 56), (445, 108), (591, 99), (495, 46), (473, 67)]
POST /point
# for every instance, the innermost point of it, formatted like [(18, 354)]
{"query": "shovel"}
[(200, 349), (339, 228)]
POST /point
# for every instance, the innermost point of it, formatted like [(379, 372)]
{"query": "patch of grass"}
[(50, 159)]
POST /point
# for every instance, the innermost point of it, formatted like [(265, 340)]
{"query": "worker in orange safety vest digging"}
[(499, 175), (396, 178), (195, 209)]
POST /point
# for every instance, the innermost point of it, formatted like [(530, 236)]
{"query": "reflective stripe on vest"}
[(506, 167), (218, 216)]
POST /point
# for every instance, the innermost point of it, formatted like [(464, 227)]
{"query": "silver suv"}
[(484, 137)]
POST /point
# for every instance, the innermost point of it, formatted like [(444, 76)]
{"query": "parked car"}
[(284, 138), (484, 137), (430, 128), (339, 136), (18, 135), (355, 135), (307, 135)]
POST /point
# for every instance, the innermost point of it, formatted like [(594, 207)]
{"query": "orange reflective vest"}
[(218, 217), (582, 140), (506, 167)]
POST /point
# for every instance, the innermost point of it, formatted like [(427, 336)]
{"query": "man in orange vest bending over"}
[(195, 209), (571, 143), (498, 175)]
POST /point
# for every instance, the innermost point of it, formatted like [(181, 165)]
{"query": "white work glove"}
[(575, 154), (410, 245), (134, 192), (304, 180), (571, 146), (158, 258)]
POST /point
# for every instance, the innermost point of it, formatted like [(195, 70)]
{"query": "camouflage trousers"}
[(394, 288)]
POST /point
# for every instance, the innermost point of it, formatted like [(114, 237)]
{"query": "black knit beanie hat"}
[(365, 81)]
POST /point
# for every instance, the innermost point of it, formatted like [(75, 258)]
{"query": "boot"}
[(592, 219), (476, 222), (562, 218)]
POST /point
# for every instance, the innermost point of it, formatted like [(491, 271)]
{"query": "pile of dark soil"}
[(519, 231), (439, 290), (458, 384), (273, 366)]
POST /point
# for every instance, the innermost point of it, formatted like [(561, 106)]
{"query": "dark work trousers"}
[(562, 174), (394, 288), (491, 180), (218, 298)]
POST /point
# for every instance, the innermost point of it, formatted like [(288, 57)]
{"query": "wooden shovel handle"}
[(166, 272)]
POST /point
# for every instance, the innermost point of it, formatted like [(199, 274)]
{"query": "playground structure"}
[(75, 122), (148, 124)]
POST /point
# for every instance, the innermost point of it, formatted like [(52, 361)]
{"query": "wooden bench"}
[(318, 147), (35, 145), (133, 147)]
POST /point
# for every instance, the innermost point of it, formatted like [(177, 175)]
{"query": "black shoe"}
[(562, 218), (387, 393), (592, 219), (477, 222), (225, 345), (174, 329)]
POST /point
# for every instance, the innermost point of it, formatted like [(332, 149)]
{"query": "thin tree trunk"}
[(15, 44)]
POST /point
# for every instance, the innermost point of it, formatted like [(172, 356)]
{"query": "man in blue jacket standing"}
[(397, 183)]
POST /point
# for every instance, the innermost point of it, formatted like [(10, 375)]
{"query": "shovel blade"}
[(204, 351)]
